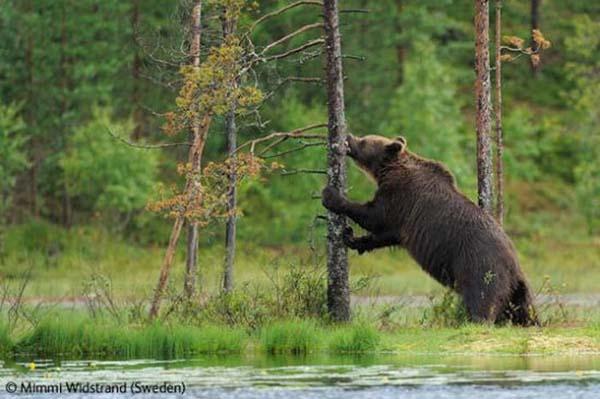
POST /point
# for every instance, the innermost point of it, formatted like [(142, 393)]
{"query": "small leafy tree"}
[(424, 109), (103, 174)]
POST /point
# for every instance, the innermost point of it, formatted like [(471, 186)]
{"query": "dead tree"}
[(498, 117), (338, 290), (483, 105), (191, 262)]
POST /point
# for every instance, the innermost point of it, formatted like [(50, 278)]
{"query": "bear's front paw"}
[(331, 199)]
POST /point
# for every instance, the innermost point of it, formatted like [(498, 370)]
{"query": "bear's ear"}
[(396, 147), (402, 140)]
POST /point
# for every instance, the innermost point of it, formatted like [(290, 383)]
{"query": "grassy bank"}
[(73, 335)]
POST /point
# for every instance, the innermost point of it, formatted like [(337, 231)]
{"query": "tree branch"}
[(284, 9), (295, 50), (300, 148), (309, 171), (143, 146), (291, 35), (296, 134)]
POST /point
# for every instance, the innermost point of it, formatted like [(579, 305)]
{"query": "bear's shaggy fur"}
[(418, 206)]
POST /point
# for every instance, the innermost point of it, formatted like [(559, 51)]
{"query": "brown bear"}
[(418, 206)]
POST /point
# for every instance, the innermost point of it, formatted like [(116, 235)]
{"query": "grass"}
[(73, 334), (77, 335), (6, 344), (292, 337), (550, 245)]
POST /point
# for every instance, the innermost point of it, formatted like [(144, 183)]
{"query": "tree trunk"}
[(483, 106), (199, 131), (338, 291), (231, 134), (498, 114), (230, 230), (190, 191), (191, 263), (535, 24)]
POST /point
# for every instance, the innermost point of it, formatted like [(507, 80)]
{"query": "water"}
[(313, 377)]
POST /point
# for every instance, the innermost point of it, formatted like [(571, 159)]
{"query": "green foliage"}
[(425, 110), (587, 187), (13, 158), (525, 145), (585, 95), (105, 174)]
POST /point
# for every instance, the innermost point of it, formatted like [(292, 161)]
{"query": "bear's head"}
[(371, 153)]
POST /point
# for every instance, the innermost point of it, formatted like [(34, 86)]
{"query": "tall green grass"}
[(355, 338), (6, 344), (74, 335), (292, 337)]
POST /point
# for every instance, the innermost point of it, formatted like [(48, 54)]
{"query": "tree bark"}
[(230, 230), (191, 189), (191, 263), (483, 106), (199, 132), (498, 114), (231, 135), (338, 291), (535, 24)]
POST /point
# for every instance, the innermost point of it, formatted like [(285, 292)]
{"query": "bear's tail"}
[(520, 310)]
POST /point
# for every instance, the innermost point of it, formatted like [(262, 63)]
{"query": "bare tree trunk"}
[(230, 230), (535, 24), (231, 134), (483, 106), (498, 114), (191, 263), (338, 291), (192, 188)]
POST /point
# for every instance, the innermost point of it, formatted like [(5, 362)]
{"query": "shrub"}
[(104, 174)]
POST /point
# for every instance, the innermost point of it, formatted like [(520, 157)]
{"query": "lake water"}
[(310, 377)]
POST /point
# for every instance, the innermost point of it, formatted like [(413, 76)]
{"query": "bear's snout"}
[(350, 145)]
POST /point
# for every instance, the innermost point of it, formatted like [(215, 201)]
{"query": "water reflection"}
[(325, 376)]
